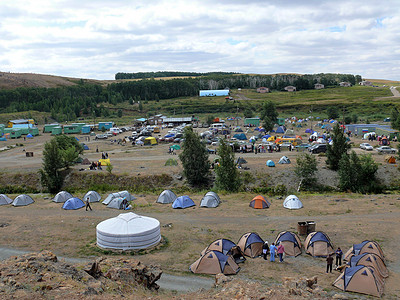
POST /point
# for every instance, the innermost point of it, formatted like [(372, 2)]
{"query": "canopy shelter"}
[(93, 196), (360, 279), (290, 241), (22, 200), (251, 244), (122, 194), (166, 197), (215, 262), (4, 200), (73, 203), (318, 244), (210, 199), (128, 231), (259, 202), (62, 196)]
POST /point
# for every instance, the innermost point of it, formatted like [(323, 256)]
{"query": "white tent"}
[(4, 200), (210, 199), (128, 231), (62, 196), (292, 202), (284, 160), (93, 196), (166, 197), (116, 203), (122, 194), (22, 200)]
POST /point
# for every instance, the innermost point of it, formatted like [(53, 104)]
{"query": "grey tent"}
[(166, 197), (284, 160), (122, 194), (62, 196), (93, 196), (116, 203), (4, 200), (22, 200), (210, 199)]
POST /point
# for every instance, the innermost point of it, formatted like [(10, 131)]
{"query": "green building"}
[(252, 121), (280, 121), (34, 131), (2, 126), (49, 127), (56, 130), (14, 133), (70, 129)]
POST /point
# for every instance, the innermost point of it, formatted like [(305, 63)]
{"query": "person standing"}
[(281, 250), (272, 251), (329, 263), (265, 250), (88, 204), (339, 254)]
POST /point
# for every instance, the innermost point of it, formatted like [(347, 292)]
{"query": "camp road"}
[(167, 281)]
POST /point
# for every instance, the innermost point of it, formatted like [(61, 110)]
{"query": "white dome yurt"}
[(128, 231)]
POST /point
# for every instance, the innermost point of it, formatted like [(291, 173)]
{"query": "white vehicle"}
[(366, 146), (386, 149), (115, 130)]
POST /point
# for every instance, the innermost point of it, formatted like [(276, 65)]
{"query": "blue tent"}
[(280, 129), (308, 130), (270, 163), (85, 147), (240, 136), (29, 136), (183, 202), (3, 139), (267, 136), (73, 203)]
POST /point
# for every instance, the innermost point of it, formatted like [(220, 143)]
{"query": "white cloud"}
[(99, 38)]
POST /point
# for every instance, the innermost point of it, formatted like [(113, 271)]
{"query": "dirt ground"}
[(346, 218)]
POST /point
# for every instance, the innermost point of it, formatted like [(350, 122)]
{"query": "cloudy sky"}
[(98, 38)]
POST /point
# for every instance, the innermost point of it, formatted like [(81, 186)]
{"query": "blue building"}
[(210, 93)]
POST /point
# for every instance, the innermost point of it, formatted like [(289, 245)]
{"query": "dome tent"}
[(292, 202), (22, 200), (290, 241), (364, 247), (318, 244), (370, 260), (270, 163), (210, 199), (93, 196), (183, 202), (4, 200), (259, 202), (116, 203), (128, 231), (166, 197), (251, 244), (227, 247), (73, 203), (215, 262), (123, 194), (62, 196), (284, 160)]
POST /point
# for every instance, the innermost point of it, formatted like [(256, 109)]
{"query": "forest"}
[(161, 74), (83, 99)]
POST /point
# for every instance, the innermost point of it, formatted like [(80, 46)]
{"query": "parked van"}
[(115, 130), (218, 125), (293, 141), (156, 129)]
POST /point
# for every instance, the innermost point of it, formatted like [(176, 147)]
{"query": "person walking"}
[(88, 204), (329, 263), (339, 254), (281, 250), (265, 250), (272, 251)]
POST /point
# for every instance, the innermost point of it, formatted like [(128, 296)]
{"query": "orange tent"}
[(259, 202)]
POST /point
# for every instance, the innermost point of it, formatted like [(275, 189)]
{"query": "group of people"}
[(273, 250), (329, 260)]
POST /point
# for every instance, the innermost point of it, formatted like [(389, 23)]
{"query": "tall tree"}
[(194, 158), (338, 148), (51, 173), (227, 175), (269, 115), (305, 169)]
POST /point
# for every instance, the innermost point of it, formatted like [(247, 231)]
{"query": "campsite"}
[(345, 217)]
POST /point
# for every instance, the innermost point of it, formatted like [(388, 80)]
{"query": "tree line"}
[(83, 99), (144, 75)]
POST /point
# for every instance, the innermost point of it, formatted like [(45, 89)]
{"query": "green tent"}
[(171, 162), (176, 147)]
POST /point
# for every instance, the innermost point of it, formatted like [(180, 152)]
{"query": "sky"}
[(99, 38)]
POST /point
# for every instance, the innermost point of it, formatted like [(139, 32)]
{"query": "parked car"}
[(101, 136), (385, 149), (366, 146), (317, 148), (302, 147)]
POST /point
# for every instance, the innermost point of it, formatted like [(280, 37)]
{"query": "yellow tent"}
[(105, 162), (150, 141)]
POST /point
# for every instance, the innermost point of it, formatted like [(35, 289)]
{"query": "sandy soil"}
[(346, 218)]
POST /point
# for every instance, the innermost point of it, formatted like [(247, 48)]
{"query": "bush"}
[(306, 166)]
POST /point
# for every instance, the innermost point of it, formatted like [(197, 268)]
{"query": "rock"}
[(340, 297), (90, 291), (221, 278)]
